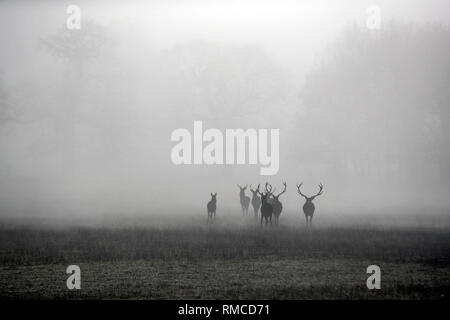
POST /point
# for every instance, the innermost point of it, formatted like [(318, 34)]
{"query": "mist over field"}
[(86, 115), (93, 121)]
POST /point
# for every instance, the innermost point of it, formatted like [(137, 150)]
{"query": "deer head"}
[(312, 197), (214, 197), (242, 192), (270, 191), (275, 197), (264, 196), (254, 192)]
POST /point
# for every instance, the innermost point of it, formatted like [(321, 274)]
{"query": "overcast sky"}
[(295, 31)]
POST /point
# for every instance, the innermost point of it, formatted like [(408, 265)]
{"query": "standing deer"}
[(266, 208), (211, 207), (308, 207), (277, 205), (256, 201), (245, 201)]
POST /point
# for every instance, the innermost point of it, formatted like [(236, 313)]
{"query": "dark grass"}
[(33, 246), (228, 261)]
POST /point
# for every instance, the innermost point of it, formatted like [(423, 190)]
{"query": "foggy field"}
[(234, 258), (122, 122)]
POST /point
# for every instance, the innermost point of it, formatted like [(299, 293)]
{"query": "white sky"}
[(294, 31)]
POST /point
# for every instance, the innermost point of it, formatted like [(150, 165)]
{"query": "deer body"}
[(308, 207), (256, 201), (277, 205), (266, 210), (277, 208), (245, 201), (211, 207), (266, 207)]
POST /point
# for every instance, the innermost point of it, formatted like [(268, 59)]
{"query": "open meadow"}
[(232, 258)]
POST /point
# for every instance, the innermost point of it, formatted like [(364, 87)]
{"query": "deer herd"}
[(267, 203)]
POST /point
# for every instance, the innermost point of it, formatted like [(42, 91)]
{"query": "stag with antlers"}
[(211, 207), (245, 201), (308, 207), (256, 201), (266, 208), (276, 204)]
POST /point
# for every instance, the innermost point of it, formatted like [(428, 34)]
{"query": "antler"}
[(320, 190), (257, 190), (299, 192), (269, 191), (284, 190)]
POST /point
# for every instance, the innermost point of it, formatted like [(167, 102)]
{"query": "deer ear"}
[(215, 194), (212, 194)]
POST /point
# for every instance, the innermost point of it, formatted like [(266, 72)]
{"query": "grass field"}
[(224, 260)]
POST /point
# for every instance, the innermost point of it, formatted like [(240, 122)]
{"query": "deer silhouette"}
[(266, 208), (256, 201), (308, 207), (211, 207), (277, 205), (245, 201)]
